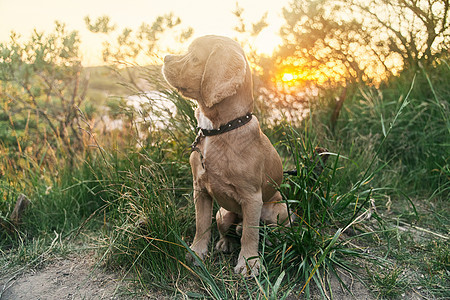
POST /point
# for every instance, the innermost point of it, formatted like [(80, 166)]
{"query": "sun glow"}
[(287, 77), (297, 76)]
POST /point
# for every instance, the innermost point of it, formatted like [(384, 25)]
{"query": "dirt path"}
[(78, 277), (74, 277)]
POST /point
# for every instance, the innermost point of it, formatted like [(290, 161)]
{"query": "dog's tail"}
[(291, 172)]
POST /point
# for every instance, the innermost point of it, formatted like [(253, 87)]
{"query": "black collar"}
[(233, 124)]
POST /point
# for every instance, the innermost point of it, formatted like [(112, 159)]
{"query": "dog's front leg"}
[(203, 220), (225, 219), (251, 212)]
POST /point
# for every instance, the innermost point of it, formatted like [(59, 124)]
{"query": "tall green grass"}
[(146, 191), (417, 149), (52, 220)]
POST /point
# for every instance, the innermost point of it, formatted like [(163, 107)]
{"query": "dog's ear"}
[(223, 75)]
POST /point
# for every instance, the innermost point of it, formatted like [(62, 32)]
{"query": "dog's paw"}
[(239, 229), (247, 267), (201, 254), (224, 245)]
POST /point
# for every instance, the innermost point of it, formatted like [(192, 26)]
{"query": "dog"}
[(233, 162)]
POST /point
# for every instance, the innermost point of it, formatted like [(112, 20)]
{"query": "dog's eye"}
[(195, 60)]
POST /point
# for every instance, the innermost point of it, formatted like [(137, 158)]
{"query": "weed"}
[(387, 283)]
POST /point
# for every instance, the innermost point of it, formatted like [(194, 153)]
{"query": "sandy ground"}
[(68, 278), (78, 277)]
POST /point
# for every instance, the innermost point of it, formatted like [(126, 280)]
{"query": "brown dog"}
[(233, 163)]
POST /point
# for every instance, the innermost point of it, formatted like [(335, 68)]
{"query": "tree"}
[(41, 88), (130, 45), (417, 30), (326, 41)]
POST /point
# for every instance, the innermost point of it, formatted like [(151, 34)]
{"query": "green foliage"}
[(314, 247), (60, 201), (143, 218), (40, 92), (101, 25), (420, 140), (145, 192)]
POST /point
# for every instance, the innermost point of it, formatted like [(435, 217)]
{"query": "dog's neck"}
[(228, 109), (203, 121), (222, 113)]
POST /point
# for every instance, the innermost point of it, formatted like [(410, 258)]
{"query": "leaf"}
[(382, 126), (277, 284)]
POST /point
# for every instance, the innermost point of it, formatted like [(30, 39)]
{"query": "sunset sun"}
[(287, 77)]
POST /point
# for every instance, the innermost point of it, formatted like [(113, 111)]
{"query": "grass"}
[(376, 212), (387, 283)]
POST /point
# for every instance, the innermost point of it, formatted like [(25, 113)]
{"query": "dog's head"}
[(213, 69)]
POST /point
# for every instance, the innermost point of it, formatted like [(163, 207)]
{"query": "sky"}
[(204, 16)]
